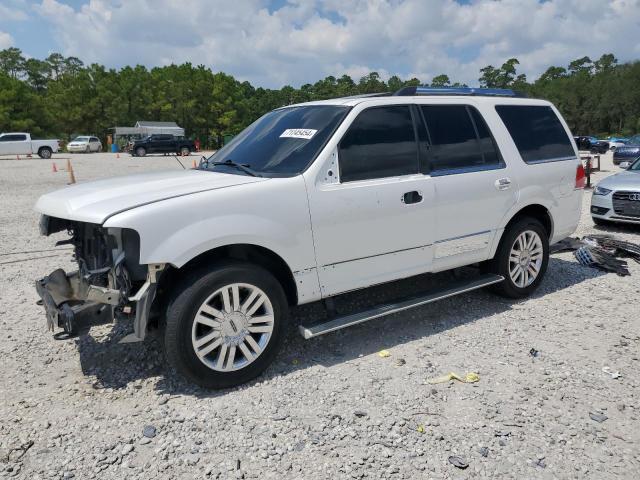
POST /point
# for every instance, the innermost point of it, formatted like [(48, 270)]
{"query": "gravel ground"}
[(331, 407)]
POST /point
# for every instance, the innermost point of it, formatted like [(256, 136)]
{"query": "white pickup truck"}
[(312, 201), (21, 144)]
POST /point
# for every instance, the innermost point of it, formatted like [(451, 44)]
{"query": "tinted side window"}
[(537, 132), (379, 143), (14, 138), (460, 138)]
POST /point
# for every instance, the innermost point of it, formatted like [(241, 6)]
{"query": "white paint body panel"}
[(334, 236)]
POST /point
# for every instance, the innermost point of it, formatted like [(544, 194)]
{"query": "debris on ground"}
[(470, 377), (459, 462), (614, 375), (400, 362), (484, 451), (149, 431), (420, 429), (534, 353), (600, 251), (384, 353), (598, 416)]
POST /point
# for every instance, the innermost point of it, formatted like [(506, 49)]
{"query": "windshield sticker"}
[(305, 133)]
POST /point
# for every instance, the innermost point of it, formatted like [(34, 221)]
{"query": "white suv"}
[(311, 201)]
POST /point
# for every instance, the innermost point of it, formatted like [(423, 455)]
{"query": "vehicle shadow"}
[(116, 365), (629, 228)]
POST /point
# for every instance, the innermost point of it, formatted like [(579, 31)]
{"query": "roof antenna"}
[(183, 167)]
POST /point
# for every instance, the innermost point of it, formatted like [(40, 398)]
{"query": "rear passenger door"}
[(473, 185)]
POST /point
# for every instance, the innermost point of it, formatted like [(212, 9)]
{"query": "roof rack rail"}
[(489, 92), (366, 95)]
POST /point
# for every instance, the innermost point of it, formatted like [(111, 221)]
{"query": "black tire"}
[(192, 291), (600, 221), (141, 152), (45, 152), (185, 151), (500, 263)]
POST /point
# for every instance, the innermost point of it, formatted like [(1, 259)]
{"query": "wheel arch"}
[(534, 210), (255, 254)]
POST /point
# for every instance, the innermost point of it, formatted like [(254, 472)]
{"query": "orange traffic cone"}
[(194, 163), (54, 169), (72, 177), (117, 155), (18, 157)]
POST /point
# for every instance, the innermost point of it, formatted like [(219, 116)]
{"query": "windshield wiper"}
[(240, 166)]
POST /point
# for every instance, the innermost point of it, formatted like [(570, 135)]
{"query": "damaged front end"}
[(108, 284)]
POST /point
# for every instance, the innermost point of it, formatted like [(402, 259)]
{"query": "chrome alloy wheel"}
[(232, 327), (525, 258)]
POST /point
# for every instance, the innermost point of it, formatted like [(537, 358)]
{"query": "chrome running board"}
[(452, 289)]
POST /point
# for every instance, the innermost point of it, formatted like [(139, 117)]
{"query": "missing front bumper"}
[(72, 318)]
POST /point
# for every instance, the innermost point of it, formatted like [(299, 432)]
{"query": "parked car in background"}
[(615, 142), (162, 144), (84, 145), (628, 152), (591, 144), (21, 144), (617, 197), (311, 201)]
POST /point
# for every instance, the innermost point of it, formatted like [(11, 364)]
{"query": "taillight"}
[(581, 177)]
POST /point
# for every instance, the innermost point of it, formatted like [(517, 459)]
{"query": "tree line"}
[(61, 96)]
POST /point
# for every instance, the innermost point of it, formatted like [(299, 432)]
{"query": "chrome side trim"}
[(387, 309), (462, 244)]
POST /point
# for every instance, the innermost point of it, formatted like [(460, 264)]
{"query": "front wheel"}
[(141, 152), (185, 152), (522, 258), (225, 324)]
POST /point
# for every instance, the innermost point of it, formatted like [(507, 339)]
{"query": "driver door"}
[(376, 223)]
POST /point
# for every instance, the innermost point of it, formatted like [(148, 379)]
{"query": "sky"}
[(273, 43)]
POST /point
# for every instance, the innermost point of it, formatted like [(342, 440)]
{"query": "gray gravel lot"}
[(331, 407)]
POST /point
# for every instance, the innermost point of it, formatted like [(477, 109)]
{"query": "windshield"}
[(283, 142), (635, 166), (81, 139), (635, 140)]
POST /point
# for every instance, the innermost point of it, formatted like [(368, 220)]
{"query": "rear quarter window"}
[(537, 132)]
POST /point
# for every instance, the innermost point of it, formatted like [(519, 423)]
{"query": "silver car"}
[(617, 198), (84, 145)]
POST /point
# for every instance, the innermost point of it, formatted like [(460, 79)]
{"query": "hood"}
[(622, 181), (78, 143), (94, 202)]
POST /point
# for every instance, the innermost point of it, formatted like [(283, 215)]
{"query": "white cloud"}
[(12, 12), (6, 40), (308, 39)]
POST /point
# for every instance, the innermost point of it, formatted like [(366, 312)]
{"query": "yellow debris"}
[(470, 377), (384, 353), (420, 429)]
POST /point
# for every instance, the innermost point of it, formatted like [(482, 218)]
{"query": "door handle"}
[(503, 183), (412, 197)]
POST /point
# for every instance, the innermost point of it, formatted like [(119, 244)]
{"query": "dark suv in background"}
[(162, 144), (628, 152)]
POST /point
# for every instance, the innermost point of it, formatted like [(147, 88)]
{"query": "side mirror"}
[(625, 165)]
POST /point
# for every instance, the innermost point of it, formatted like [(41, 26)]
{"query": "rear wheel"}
[(184, 151), (45, 152), (141, 151), (522, 258), (224, 325)]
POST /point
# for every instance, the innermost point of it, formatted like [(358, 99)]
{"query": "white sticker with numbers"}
[(304, 133)]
